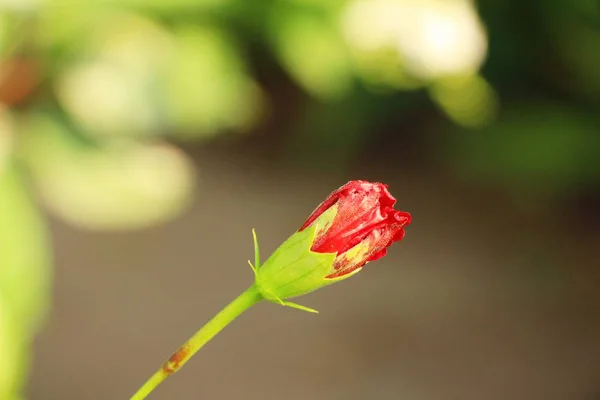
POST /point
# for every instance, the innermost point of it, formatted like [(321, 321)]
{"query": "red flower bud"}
[(354, 225), (363, 226)]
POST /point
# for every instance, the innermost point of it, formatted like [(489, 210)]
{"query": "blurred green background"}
[(141, 140)]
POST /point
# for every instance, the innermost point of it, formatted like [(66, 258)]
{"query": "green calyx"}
[(293, 269)]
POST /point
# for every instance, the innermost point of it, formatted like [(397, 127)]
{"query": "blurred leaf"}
[(129, 186), (438, 38), (133, 42), (170, 6), (426, 39), (6, 33), (69, 24), (24, 279), (312, 50), (332, 134), (544, 147), (207, 87), (12, 352), (331, 5), (18, 5), (468, 100), (113, 93), (64, 27), (579, 45), (107, 100), (370, 29), (24, 253), (382, 69), (6, 137)]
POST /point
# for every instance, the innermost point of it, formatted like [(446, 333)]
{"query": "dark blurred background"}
[(142, 140)]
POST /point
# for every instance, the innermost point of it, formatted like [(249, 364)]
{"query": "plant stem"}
[(243, 302)]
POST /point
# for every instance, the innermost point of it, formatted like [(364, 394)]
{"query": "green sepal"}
[(256, 251), (256, 265), (254, 269), (293, 269), (294, 305), (299, 307)]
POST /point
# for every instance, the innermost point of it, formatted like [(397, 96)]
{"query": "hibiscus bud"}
[(354, 225)]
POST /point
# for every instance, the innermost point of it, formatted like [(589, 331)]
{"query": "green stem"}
[(243, 302)]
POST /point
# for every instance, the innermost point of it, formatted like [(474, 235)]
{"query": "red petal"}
[(378, 255), (365, 216)]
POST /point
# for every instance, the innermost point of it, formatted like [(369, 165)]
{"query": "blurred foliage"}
[(105, 188), (558, 150), (98, 90), (94, 94), (23, 279)]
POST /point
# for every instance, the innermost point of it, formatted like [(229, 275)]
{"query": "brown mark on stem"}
[(176, 360)]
